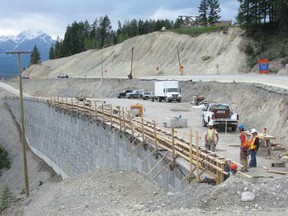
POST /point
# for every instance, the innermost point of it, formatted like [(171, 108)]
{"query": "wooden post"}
[(131, 125), (96, 111), (155, 139), (190, 154), (102, 106), (124, 120), (111, 116), (120, 120), (66, 101), (197, 158), (142, 128), (72, 102), (173, 148)]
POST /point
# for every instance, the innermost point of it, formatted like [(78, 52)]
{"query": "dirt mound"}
[(154, 54)]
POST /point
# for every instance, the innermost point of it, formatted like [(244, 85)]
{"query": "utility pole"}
[(180, 71), (132, 75), (101, 66), (23, 139)]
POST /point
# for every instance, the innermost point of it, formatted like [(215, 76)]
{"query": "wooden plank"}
[(277, 172)]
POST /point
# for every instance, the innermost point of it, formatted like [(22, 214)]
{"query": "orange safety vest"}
[(252, 144), (245, 144)]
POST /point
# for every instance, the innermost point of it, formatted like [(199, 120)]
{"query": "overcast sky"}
[(53, 16)]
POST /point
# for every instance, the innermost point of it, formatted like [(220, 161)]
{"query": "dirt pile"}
[(108, 192), (154, 54)]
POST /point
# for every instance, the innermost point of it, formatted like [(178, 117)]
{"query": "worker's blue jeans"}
[(253, 162)]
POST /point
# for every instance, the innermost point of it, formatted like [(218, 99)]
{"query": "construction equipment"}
[(136, 109)]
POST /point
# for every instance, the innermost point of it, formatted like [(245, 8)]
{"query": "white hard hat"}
[(254, 131), (210, 123)]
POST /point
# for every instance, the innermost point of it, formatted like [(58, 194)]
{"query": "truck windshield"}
[(172, 90)]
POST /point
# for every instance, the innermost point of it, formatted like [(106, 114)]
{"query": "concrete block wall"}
[(72, 145)]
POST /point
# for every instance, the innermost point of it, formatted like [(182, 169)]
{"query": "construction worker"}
[(254, 146), (211, 137), (244, 148)]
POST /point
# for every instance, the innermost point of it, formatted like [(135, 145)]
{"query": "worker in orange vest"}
[(244, 148), (211, 137), (254, 146)]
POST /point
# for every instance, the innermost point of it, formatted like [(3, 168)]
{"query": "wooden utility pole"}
[(132, 56), (23, 137), (179, 62)]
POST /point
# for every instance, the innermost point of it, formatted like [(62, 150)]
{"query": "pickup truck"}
[(146, 95), (123, 93), (135, 94), (220, 114)]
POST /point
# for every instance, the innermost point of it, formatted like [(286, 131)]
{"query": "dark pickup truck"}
[(123, 93)]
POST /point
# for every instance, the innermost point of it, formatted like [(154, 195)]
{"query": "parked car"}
[(123, 93), (146, 95), (135, 94), (62, 75), (25, 77)]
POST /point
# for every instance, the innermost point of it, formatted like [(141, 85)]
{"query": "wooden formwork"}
[(201, 161)]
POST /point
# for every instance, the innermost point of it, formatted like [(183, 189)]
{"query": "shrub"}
[(249, 50), (205, 58), (4, 160), (6, 198)]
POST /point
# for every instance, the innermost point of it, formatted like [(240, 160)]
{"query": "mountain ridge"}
[(25, 40)]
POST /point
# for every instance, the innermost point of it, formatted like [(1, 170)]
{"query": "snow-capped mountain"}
[(25, 41)]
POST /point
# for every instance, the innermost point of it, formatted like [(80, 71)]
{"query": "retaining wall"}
[(72, 145)]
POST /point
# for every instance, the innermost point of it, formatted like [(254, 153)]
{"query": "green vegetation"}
[(262, 17), (4, 160), (6, 198), (198, 31), (35, 56)]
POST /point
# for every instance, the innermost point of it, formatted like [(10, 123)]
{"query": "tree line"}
[(263, 16), (82, 36)]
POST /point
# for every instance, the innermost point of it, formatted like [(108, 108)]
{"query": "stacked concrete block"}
[(75, 145)]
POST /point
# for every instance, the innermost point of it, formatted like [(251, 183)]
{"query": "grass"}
[(6, 198), (198, 30)]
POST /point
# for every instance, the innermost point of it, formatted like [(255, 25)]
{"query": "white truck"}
[(168, 91), (220, 115)]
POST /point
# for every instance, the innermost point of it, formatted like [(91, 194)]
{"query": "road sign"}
[(263, 65)]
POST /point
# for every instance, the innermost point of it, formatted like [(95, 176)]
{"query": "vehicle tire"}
[(234, 128), (159, 99), (179, 101), (166, 100), (204, 124), (152, 99)]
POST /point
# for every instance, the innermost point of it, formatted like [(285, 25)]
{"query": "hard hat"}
[(233, 166), (241, 126), (254, 131), (210, 123)]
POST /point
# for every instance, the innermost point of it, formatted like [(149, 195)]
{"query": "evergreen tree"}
[(104, 31), (214, 10), (203, 12), (51, 52), (35, 56)]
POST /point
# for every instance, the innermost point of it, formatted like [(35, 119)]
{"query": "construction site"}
[(91, 153)]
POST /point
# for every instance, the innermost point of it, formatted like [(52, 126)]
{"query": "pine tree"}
[(203, 12), (35, 56), (52, 52), (214, 10)]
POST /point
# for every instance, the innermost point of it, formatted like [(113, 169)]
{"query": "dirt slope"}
[(198, 55)]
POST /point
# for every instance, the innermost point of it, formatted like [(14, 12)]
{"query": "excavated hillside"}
[(154, 54)]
